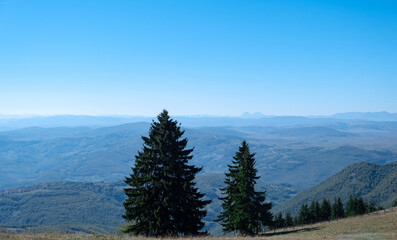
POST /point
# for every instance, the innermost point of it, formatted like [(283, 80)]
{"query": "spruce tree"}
[(296, 220), (244, 209), (337, 210), (314, 211), (371, 206), (162, 199), (289, 222), (304, 214), (361, 206), (325, 210), (394, 203), (278, 221), (351, 208)]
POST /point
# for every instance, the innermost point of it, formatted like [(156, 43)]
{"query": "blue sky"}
[(136, 57)]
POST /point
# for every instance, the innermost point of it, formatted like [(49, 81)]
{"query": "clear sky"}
[(136, 57)]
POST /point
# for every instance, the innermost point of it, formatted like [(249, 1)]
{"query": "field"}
[(378, 226)]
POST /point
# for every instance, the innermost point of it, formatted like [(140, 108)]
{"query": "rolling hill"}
[(368, 180)]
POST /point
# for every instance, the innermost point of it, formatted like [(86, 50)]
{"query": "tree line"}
[(162, 199), (324, 211)]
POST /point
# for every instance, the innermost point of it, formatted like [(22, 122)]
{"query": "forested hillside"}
[(367, 180)]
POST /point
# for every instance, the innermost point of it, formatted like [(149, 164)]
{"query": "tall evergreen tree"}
[(244, 209), (162, 199), (337, 210)]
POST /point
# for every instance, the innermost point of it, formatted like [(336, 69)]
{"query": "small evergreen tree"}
[(314, 211), (371, 206), (244, 209), (296, 220), (361, 206), (337, 210), (325, 210), (278, 221), (351, 209), (394, 203), (304, 214), (162, 199), (289, 222)]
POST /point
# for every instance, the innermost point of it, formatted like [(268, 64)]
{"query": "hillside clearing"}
[(378, 226)]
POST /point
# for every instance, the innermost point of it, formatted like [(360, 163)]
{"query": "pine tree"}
[(337, 210), (325, 210), (244, 209), (162, 199)]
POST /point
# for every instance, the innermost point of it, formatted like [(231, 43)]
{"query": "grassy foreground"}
[(378, 226)]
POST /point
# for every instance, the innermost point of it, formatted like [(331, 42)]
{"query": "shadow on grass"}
[(307, 229)]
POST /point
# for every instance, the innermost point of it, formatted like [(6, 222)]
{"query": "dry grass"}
[(375, 226), (382, 225)]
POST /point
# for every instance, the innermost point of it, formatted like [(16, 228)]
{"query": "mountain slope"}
[(368, 180)]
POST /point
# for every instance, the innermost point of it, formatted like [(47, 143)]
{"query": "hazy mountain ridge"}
[(368, 180), (12, 122), (371, 116)]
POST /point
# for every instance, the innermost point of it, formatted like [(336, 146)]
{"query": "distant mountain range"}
[(368, 180), (81, 207), (10, 122)]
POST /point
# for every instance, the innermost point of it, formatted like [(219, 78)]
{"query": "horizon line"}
[(242, 115)]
